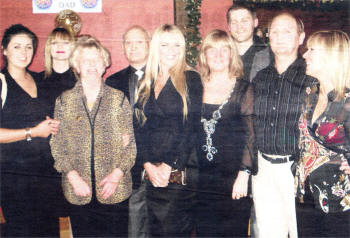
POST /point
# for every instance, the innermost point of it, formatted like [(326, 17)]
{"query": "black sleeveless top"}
[(20, 111)]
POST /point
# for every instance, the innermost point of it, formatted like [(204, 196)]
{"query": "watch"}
[(28, 134)]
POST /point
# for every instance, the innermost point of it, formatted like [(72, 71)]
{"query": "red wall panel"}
[(108, 26), (214, 15)]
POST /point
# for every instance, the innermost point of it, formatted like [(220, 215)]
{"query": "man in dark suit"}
[(135, 44)]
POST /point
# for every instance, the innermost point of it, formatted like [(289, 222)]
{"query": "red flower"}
[(331, 133)]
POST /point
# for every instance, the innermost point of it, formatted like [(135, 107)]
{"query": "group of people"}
[(257, 138)]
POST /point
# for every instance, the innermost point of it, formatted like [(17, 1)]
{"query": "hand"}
[(110, 183), (125, 140), (240, 186), (345, 167), (45, 128), (80, 187), (158, 175), (54, 125)]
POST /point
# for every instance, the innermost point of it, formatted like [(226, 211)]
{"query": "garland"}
[(305, 5), (192, 34)]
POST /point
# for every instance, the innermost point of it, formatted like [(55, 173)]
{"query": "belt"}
[(278, 160), (176, 176)]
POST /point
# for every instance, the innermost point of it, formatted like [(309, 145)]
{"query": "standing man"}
[(242, 22), (279, 92), (135, 44)]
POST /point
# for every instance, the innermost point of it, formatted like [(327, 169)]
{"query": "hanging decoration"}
[(192, 34), (305, 5), (70, 20)]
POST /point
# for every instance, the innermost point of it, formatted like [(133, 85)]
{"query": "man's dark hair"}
[(239, 7)]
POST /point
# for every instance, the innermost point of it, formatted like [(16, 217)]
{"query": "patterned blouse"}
[(324, 144)]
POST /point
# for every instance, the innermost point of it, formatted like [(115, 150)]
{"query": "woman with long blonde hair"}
[(322, 182), (226, 152), (168, 108)]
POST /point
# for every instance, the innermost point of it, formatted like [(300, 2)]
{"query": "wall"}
[(214, 15), (118, 15), (108, 26)]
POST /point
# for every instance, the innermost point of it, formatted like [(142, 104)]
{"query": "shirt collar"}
[(299, 63)]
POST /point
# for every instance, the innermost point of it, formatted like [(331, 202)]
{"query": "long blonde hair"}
[(177, 72), (220, 37), (57, 33), (335, 56)]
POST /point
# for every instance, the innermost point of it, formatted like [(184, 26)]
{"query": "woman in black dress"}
[(168, 108), (225, 150), (58, 75), (26, 163)]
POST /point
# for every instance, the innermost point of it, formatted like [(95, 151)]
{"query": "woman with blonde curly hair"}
[(226, 152), (322, 180), (168, 108)]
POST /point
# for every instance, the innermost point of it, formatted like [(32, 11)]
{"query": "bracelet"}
[(247, 171), (28, 134)]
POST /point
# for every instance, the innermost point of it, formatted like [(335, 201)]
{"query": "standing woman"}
[(322, 187), (27, 188), (58, 75), (168, 108), (225, 151), (94, 148)]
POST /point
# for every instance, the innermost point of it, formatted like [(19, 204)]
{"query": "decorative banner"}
[(55, 6)]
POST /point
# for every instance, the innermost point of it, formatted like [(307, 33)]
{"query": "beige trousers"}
[(273, 194)]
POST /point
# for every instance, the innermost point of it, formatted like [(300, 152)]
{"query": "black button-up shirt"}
[(277, 106)]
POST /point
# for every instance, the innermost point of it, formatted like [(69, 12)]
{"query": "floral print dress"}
[(323, 145)]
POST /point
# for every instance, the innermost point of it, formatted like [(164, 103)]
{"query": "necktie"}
[(139, 74)]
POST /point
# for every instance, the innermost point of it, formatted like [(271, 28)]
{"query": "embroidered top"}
[(323, 146), (233, 138)]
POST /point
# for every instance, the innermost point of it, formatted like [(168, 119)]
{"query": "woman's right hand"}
[(80, 187), (45, 128)]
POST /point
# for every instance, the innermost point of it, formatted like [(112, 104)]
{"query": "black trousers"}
[(170, 210), (100, 220), (138, 215), (218, 215), (28, 204), (313, 222)]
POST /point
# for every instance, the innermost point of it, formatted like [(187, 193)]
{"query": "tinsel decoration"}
[(304, 5), (192, 34)]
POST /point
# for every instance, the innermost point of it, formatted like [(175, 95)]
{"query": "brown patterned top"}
[(72, 146)]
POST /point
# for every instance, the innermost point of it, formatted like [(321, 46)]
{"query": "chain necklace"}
[(209, 129)]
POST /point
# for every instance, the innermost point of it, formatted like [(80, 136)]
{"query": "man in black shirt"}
[(135, 43), (279, 92), (242, 22)]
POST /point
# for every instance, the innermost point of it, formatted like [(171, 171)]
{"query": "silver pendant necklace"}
[(209, 129)]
